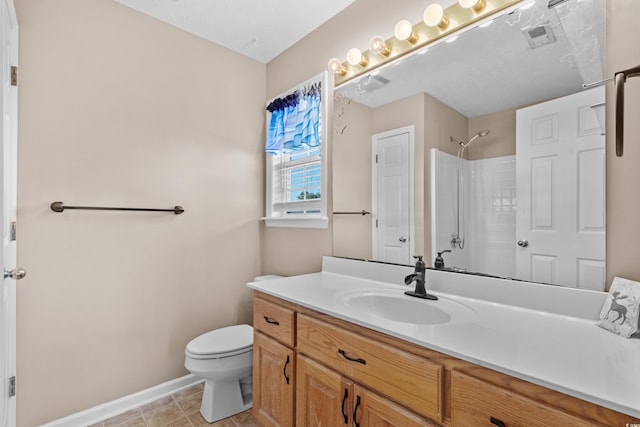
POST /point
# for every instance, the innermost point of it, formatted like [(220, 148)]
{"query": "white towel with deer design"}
[(621, 309)]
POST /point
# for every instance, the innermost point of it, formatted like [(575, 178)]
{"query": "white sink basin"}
[(395, 306)]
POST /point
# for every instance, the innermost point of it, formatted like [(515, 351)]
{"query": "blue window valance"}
[(295, 120)]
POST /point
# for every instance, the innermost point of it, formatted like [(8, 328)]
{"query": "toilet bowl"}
[(224, 359)]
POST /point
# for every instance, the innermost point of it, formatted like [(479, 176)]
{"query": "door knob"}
[(15, 274), (402, 239), (523, 243)]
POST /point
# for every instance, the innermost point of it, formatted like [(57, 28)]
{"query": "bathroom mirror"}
[(444, 97)]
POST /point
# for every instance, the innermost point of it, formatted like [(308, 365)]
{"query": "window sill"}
[(298, 222)]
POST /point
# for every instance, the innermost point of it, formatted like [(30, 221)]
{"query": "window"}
[(296, 173)]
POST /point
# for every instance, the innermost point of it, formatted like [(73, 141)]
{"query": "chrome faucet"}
[(418, 277)]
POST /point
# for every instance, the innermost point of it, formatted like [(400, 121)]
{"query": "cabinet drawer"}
[(478, 403), (411, 380), (274, 320)]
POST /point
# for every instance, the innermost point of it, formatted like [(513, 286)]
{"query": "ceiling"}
[(259, 29), (485, 70), (494, 68)]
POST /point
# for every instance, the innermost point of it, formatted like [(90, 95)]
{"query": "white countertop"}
[(566, 353)]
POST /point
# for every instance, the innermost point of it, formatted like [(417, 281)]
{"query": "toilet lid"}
[(222, 342)]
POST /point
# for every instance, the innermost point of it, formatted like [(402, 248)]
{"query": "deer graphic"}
[(618, 308)]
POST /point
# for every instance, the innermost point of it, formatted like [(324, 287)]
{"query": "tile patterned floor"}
[(181, 409)]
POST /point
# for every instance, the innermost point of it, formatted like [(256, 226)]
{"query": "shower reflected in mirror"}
[(457, 237)]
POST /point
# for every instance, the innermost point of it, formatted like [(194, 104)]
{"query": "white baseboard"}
[(124, 404)]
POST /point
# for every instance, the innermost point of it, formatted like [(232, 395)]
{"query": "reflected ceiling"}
[(470, 77)]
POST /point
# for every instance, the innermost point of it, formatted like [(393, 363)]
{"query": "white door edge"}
[(8, 207)]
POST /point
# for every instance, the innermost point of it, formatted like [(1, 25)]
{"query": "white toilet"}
[(224, 359)]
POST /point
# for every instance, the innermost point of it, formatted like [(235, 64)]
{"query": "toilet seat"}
[(223, 342)]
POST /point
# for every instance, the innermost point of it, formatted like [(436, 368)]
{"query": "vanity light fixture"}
[(404, 31), (335, 65), (379, 45), (434, 16), (475, 5), (437, 25), (355, 57)]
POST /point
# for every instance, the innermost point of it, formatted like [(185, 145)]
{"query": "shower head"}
[(464, 145), (480, 134), (476, 136)]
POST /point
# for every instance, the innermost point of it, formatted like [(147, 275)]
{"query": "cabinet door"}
[(373, 410), (323, 397), (273, 382)]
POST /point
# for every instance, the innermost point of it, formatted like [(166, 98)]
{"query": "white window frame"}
[(274, 218)]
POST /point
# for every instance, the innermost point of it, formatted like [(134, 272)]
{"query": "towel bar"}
[(60, 207), (362, 212)]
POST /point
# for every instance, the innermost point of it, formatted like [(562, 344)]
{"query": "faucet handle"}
[(420, 266)]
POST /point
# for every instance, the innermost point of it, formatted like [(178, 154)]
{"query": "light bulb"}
[(476, 5), (379, 45), (404, 31), (355, 57), (434, 16), (336, 66)]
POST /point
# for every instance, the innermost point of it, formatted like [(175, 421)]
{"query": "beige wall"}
[(351, 178), (501, 140), (623, 173), (118, 109)]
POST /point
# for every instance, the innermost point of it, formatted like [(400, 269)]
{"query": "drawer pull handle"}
[(284, 371), (344, 400), (355, 412), (497, 422), (351, 359), (271, 321)]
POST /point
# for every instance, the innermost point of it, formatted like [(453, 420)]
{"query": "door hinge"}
[(12, 386), (376, 158), (376, 223), (12, 231), (14, 75)]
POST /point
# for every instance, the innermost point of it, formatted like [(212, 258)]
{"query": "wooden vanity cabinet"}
[(312, 369), (274, 364)]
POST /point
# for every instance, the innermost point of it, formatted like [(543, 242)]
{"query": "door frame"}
[(8, 214), (375, 138)]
